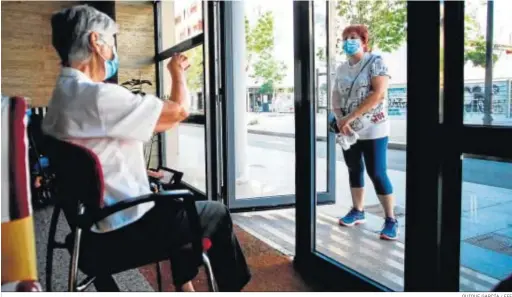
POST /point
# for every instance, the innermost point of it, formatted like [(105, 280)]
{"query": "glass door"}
[(477, 189), (370, 207), (259, 135), (455, 178), (379, 249), (187, 27)]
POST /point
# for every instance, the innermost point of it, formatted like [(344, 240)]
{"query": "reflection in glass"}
[(180, 20), (488, 21), (486, 223)]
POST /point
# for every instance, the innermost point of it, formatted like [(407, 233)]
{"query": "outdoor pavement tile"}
[(480, 196), (505, 232), (483, 221), (485, 261)]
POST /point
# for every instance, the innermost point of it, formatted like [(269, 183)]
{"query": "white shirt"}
[(114, 123), (373, 124)]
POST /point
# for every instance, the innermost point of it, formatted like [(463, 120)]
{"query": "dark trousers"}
[(162, 229), (374, 152)]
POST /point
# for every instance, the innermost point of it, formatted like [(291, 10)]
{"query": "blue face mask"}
[(351, 46), (111, 66)]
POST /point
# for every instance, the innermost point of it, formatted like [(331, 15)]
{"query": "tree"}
[(269, 71), (195, 74), (260, 47), (266, 88), (260, 38), (474, 41), (320, 54), (385, 19)]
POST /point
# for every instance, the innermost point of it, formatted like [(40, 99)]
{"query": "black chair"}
[(79, 195)]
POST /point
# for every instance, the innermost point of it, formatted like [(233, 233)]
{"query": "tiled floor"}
[(358, 248)]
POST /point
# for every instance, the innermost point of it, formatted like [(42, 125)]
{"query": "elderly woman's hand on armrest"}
[(155, 174)]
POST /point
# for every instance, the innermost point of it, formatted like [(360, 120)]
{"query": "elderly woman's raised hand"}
[(177, 65)]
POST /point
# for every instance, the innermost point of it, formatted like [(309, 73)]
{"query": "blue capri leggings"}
[(374, 152)]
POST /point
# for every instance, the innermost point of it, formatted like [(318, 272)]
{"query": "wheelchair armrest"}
[(87, 220), (183, 196)]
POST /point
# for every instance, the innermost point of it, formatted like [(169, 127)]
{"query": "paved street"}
[(284, 123)]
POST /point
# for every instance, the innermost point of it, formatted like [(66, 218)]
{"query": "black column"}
[(421, 267), (451, 171), (305, 156)]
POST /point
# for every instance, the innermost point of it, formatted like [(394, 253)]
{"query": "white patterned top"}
[(374, 123)]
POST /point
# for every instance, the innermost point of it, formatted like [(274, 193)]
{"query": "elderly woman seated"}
[(114, 123)]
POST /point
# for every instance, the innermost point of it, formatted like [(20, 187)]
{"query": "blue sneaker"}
[(390, 230), (354, 217)]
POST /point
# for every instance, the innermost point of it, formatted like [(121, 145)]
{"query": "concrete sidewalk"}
[(486, 244), (283, 124)]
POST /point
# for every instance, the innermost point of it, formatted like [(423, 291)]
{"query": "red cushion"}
[(207, 244), (19, 193)]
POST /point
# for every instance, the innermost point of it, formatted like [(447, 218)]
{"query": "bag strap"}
[(372, 58)]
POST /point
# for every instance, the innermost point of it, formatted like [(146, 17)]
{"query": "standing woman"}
[(359, 104)]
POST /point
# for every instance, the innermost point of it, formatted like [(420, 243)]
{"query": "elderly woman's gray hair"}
[(71, 29)]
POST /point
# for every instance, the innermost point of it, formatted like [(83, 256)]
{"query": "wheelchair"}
[(79, 197)]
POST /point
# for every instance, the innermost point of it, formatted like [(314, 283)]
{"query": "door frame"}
[(206, 39), (228, 146)]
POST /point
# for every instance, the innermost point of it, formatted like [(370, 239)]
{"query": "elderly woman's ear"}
[(94, 38)]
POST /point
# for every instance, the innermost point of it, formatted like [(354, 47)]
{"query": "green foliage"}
[(266, 88), (269, 71), (386, 22), (259, 50), (323, 88), (260, 38), (320, 54), (385, 19), (195, 74), (474, 41)]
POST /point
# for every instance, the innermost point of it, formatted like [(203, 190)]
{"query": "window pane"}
[(486, 223), (185, 144), (181, 20), (482, 105), (264, 120), (381, 140)]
